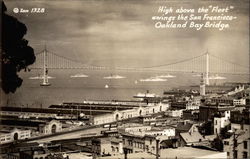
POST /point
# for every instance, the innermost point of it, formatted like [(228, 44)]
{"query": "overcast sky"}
[(121, 33)]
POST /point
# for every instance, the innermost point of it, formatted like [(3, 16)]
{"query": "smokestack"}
[(157, 149)]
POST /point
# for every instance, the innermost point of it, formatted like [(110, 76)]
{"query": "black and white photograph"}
[(125, 79)]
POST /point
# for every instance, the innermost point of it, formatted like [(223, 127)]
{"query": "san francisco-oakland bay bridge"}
[(206, 63)]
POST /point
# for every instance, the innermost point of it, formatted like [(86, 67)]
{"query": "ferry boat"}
[(153, 79), (145, 95), (166, 76), (114, 77), (79, 76)]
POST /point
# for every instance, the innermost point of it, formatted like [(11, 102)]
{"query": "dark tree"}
[(15, 52), (218, 143)]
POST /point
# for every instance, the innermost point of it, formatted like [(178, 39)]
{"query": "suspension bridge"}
[(206, 63)]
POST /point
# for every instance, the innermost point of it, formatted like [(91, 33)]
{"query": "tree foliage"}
[(16, 54)]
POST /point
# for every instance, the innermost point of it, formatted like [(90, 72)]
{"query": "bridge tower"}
[(207, 68), (45, 69)]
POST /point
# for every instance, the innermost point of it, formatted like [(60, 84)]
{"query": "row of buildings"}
[(215, 124)]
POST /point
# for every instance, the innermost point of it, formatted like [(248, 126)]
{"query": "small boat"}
[(40, 77), (153, 79), (114, 77), (79, 76), (166, 76), (145, 95), (217, 77)]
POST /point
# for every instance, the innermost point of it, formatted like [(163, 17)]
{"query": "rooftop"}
[(190, 152), (160, 128), (184, 126), (193, 137), (180, 153), (139, 155), (7, 130)]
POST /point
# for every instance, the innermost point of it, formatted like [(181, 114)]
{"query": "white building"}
[(111, 146), (167, 131), (221, 122), (148, 118), (7, 136), (50, 127), (241, 101), (138, 130), (194, 103), (192, 106), (130, 113), (174, 113), (197, 100)]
